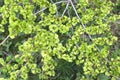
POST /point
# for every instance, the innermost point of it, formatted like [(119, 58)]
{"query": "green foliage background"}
[(59, 40)]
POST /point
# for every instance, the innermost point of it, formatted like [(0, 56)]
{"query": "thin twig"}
[(69, 14), (65, 9), (46, 7), (5, 53), (72, 31), (81, 22), (40, 11), (51, 1), (61, 2), (76, 12), (4, 40)]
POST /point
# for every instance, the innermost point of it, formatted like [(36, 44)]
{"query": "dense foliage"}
[(58, 40)]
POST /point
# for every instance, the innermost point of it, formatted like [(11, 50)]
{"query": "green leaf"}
[(2, 62)]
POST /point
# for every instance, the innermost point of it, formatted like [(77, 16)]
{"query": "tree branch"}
[(81, 21), (46, 7), (65, 9), (4, 40)]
